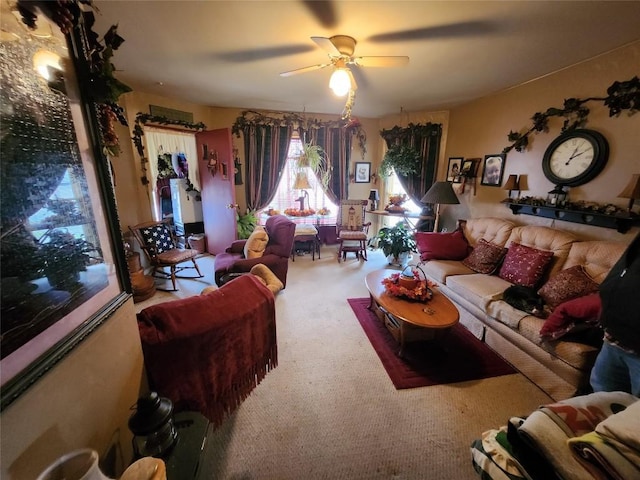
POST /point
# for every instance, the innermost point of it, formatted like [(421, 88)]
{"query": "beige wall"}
[(481, 127), (84, 401)]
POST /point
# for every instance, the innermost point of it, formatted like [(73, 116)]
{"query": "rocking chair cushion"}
[(352, 235), (159, 237), (176, 255)]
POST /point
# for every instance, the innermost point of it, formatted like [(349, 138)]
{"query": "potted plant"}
[(314, 157), (246, 223), (397, 243), (63, 257), (402, 159)]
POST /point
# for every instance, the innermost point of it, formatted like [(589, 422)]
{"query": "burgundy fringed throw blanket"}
[(207, 353)]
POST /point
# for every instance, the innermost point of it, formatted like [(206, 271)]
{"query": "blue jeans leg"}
[(616, 370)]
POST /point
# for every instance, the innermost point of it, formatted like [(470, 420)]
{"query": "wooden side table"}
[(143, 286)]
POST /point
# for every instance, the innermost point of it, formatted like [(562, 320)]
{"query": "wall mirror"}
[(62, 267)]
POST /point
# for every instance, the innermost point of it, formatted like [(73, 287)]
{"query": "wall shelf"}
[(622, 222)]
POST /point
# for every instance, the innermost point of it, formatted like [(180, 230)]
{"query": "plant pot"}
[(401, 260), (62, 279)]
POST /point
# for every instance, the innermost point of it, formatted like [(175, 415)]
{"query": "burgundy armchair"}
[(276, 255)]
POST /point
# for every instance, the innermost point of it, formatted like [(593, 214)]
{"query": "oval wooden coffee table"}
[(406, 320)]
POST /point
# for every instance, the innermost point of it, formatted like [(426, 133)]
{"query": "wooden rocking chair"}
[(158, 242), (351, 229)]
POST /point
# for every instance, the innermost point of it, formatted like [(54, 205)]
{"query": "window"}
[(394, 187), (288, 198)]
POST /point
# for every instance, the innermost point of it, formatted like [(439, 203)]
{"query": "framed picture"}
[(363, 172), (63, 269), (470, 167), (493, 170), (454, 169)]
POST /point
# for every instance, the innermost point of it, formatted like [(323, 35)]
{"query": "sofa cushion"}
[(478, 289), (494, 230), (574, 315), (596, 256), (442, 246), (567, 284), (524, 265), (439, 270), (256, 243), (505, 313), (485, 257)]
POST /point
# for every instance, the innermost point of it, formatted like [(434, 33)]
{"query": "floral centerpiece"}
[(411, 286)]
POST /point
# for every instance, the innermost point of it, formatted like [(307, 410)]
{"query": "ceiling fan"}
[(340, 49)]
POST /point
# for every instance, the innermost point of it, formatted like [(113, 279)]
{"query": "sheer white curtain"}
[(169, 141)]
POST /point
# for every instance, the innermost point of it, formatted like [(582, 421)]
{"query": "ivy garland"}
[(284, 119), (620, 96), (105, 87), (138, 132)]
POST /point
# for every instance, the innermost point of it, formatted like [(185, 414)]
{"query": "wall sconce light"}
[(374, 196), (631, 191), (511, 185)]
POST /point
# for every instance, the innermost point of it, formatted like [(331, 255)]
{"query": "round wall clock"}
[(575, 157)]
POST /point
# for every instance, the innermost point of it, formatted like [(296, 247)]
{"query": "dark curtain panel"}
[(336, 142), (266, 148), (426, 140)]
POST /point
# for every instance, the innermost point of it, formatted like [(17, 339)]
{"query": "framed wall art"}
[(363, 172), (454, 169), (63, 268), (493, 170)]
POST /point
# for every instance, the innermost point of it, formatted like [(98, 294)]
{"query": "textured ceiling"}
[(230, 53)]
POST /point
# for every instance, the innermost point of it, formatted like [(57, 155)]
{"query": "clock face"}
[(576, 157)]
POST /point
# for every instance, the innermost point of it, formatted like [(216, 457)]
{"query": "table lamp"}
[(511, 184), (632, 190), (374, 196), (301, 183), (440, 193)]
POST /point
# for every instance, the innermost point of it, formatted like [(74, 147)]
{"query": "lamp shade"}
[(523, 183), (511, 183), (301, 182), (440, 193), (374, 195)]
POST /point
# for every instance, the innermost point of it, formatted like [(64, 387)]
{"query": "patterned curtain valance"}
[(250, 118), (398, 134)]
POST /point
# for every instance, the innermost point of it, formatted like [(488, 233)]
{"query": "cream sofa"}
[(560, 368)]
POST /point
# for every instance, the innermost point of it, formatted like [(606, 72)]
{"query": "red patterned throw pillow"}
[(485, 257), (574, 315), (442, 246), (566, 285), (524, 265)]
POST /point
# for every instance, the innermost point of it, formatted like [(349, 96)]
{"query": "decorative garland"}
[(620, 96), (105, 88), (250, 118), (579, 205), (138, 132)]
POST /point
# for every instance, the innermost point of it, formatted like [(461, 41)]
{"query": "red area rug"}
[(459, 357)]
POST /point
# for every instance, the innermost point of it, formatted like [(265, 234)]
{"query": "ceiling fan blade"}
[(397, 61), (327, 45), (324, 11), (249, 55), (457, 30), (304, 69)]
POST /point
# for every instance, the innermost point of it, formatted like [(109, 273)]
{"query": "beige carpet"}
[(329, 410)]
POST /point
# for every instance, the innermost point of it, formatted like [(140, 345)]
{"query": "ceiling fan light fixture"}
[(340, 82)]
